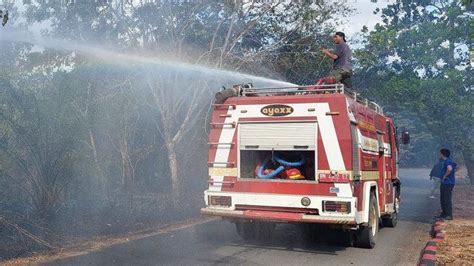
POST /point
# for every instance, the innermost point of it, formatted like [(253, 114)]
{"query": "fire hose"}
[(283, 165)]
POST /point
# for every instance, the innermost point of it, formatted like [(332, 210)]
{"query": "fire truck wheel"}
[(367, 235), (245, 229), (392, 219)]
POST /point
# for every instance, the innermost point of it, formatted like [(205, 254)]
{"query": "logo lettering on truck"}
[(276, 110)]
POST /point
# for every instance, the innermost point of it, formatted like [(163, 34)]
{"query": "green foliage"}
[(37, 142), (278, 39), (412, 62), (4, 17)]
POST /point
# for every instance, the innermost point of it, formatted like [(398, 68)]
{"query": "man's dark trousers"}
[(446, 200)]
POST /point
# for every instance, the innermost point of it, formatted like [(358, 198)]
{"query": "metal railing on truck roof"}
[(248, 91)]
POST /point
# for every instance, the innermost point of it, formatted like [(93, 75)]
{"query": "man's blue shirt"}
[(450, 178)]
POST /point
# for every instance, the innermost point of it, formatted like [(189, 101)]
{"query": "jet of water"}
[(112, 56)]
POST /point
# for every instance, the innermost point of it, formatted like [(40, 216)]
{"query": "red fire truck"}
[(309, 154)]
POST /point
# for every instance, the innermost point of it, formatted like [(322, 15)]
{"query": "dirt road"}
[(216, 242)]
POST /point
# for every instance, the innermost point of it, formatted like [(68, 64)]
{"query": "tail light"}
[(337, 206), (223, 201)]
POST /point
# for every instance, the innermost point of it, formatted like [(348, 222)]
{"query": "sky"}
[(363, 15)]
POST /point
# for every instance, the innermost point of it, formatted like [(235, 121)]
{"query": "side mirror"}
[(405, 137)]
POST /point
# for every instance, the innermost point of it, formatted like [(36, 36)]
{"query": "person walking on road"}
[(342, 67), (447, 184), (435, 176)]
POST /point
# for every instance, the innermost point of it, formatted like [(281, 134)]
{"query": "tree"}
[(284, 38), (412, 62), (37, 140), (4, 17)]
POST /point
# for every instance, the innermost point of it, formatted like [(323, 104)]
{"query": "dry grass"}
[(458, 245)]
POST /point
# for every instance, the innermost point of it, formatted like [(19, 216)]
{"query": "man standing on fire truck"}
[(342, 67)]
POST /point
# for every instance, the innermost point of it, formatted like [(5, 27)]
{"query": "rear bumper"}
[(279, 208), (277, 216)]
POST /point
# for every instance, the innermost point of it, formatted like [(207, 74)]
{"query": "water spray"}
[(109, 55)]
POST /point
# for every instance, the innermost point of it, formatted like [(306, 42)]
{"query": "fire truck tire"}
[(392, 219), (367, 234)]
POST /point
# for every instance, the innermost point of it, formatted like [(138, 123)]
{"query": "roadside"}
[(104, 242), (457, 248), (24, 242)]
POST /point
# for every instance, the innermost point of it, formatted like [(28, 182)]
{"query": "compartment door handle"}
[(301, 146), (251, 146)]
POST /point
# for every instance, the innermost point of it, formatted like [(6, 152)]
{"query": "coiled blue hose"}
[(280, 169), (271, 175), (286, 163)]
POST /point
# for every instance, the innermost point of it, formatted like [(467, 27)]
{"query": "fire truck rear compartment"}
[(252, 160), (277, 150)]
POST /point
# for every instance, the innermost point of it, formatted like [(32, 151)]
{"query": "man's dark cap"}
[(340, 33)]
